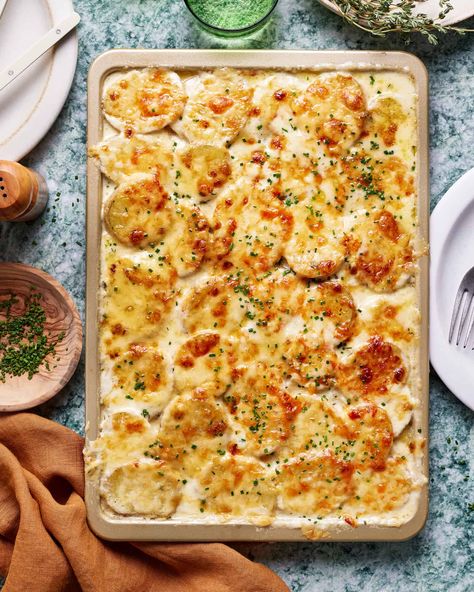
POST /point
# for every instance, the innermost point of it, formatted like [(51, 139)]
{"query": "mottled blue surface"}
[(440, 558)]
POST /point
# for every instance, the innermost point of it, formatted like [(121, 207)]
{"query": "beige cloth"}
[(46, 545)]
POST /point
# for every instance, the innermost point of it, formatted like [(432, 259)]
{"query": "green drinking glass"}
[(231, 18)]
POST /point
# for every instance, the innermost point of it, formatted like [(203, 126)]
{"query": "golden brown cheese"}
[(332, 110), (383, 491), (140, 374), (384, 119), (259, 322), (330, 304), (373, 370), (205, 360), (144, 100), (371, 431), (126, 436), (217, 108), (139, 212), (263, 412), (380, 252), (208, 169), (315, 249), (273, 101), (316, 484), (250, 228), (311, 363), (370, 182), (237, 486), (214, 304), (138, 298), (193, 429), (150, 489), (124, 155), (187, 239)]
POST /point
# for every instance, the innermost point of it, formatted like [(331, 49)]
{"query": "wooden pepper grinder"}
[(23, 192)]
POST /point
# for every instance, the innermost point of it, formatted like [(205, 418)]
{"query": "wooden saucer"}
[(19, 393)]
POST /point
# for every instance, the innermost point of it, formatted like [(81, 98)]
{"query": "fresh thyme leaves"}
[(24, 342), (380, 17)]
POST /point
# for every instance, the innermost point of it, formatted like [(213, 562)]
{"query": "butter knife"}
[(38, 49), (3, 3)]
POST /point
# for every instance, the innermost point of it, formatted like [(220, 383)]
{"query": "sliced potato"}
[(329, 309), (318, 428), (382, 492), (217, 108), (214, 304), (310, 363), (205, 361), (187, 239), (144, 100), (380, 251), (236, 487), (315, 484), (123, 156), (315, 248), (369, 429), (250, 228), (143, 489), (263, 412), (124, 437), (332, 110), (385, 116), (139, 212), (141, 375), (137, 299), (273, 99), (277, 298), (367, 182), (206, 169), (194, 427), (399, 407), (373, 370), (359, 434)]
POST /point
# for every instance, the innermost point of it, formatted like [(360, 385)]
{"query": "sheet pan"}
[(132, 528)]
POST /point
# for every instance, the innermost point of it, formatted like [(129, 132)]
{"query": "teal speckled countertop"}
[(440, 559)]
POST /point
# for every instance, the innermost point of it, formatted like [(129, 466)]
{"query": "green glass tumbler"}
[(231, 18)]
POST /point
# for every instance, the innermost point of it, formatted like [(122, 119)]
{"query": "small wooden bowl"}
[(18, 393)]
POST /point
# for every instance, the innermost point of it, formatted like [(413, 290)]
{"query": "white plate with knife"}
[(32, 96)]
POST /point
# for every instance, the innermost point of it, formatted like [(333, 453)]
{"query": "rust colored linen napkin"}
[(47, 546)]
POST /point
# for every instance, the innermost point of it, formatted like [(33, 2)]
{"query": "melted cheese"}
[(124, 155), (144, 101), (250, 227), (217, 108), (259, 320), (142, 375), (205, 361), (149, 489), (239, 486)]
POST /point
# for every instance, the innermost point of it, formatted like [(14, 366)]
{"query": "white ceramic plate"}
[(462, 9), (452, 254), (30, 104)]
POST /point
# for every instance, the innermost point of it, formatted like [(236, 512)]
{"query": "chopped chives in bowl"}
[(25, 343)]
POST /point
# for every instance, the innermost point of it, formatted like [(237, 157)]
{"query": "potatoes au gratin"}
[(259, 329)]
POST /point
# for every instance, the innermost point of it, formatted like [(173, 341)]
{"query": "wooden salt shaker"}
[(23, 192)]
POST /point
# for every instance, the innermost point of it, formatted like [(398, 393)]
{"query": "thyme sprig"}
[(380, 17)]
